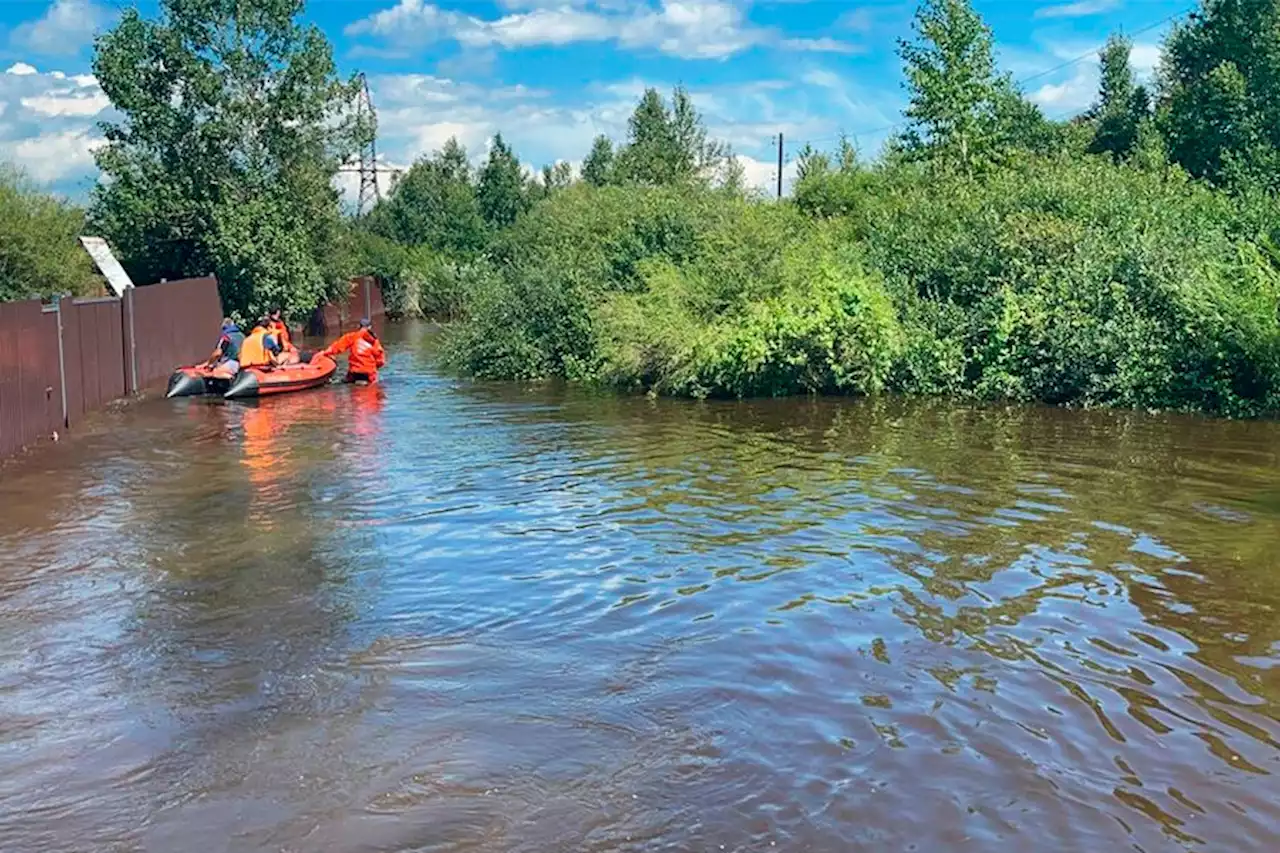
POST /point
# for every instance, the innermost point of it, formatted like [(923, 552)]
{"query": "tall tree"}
[(597, 168), (1220, 85), (501, 190), (434, 204), (1121, 104), (668, 146), (951, 78), (234, 122), (811, 164)]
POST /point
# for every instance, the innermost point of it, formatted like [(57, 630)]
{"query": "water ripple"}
[(436, 615)]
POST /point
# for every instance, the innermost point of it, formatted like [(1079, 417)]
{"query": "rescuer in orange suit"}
[(364, 353)]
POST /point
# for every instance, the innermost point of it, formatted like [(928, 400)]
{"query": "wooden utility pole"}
[(779, 165)]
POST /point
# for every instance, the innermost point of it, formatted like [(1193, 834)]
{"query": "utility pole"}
[(779, 165)]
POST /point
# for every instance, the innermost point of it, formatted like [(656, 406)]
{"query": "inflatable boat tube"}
[(198, 379), (257, 382)]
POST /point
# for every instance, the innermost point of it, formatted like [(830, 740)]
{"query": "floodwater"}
[(438, 615)]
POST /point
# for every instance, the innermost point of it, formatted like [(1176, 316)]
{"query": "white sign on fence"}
[(117, 278)]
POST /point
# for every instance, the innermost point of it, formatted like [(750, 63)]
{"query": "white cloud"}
[(1072, 95), (689, 29), (65, 28), (54, 103), (763, 175), (824, 44), (693, 29), (48, 121), (1078, 9), (541, 26), (860, 20), (1144, 58), (53, 156)]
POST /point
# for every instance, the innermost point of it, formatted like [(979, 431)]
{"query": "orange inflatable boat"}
[(251, 381), (257, 382)]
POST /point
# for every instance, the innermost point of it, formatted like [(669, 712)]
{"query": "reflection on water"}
[(434, 615)]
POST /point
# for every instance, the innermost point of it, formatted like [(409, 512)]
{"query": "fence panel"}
[(175, 323), (30, 392), (101, 345)]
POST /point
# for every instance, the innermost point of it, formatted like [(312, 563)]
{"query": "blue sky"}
[(551, 74)]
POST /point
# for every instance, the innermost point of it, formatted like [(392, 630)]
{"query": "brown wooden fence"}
[(61, 360)]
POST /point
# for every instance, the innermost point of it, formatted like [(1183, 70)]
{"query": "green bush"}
[(1070, 281), (39, 250)]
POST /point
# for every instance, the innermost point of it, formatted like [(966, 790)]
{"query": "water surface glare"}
[(438, 615)]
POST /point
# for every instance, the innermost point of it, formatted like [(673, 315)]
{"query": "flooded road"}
[(437, 615)]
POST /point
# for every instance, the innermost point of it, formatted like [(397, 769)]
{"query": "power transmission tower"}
[(370, 194)]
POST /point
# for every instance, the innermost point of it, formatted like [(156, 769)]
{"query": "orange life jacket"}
[(281, 331), (253, 352)]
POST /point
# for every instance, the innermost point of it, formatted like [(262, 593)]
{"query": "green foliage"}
[(1121, 107), (667, 146), (951, 77), (434, 204), (501, 191), (234, 124), (597, 168), (1073, 281), (1221, 86), (39, 251), (991, 254)]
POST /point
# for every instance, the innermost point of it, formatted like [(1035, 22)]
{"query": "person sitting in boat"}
[(279, 330), (227, 353), (364, 353), (260, 349)]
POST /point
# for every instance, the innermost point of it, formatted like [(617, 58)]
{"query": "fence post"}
[(130, 340), (62, 363)]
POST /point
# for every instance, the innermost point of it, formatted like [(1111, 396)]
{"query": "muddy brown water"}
[(438, 615)]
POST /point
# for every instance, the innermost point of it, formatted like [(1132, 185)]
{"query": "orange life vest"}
[(281, 331), (253, 352)]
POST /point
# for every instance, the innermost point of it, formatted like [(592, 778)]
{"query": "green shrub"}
[(39, 250), (1069, 280)]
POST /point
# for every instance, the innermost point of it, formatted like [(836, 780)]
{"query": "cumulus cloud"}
[(48, 122), (689, 29), (66, 27), (52, 157)]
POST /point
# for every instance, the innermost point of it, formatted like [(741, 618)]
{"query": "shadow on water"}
[(439, 615)]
